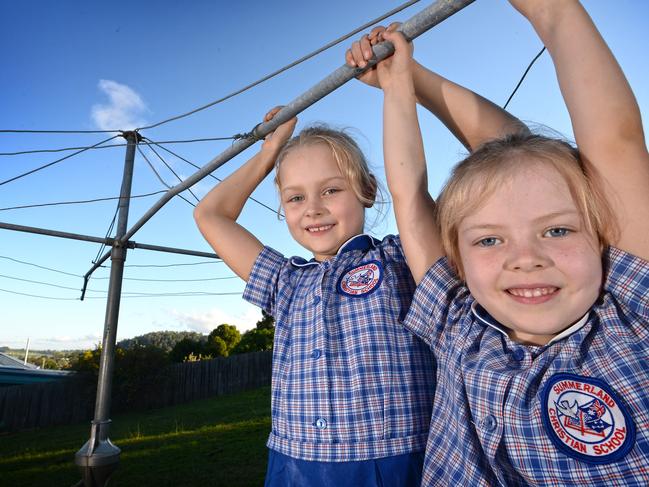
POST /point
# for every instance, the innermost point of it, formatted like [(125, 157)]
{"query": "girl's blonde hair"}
[(478, 176), (348, 156)]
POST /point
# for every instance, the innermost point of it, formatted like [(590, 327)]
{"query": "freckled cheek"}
[(292, 222), (584, 264), (353, 217), (481, 274)]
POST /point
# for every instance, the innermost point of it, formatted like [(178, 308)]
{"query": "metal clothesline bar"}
[(107, 241), (412, 28), (56, 233)]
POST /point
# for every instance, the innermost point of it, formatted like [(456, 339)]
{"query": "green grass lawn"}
[(216, 442)]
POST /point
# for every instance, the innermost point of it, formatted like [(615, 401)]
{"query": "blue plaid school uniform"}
[(350, 383), (573, 412)]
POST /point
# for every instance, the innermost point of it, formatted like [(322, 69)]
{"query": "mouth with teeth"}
[(318, 229), (533, 295)]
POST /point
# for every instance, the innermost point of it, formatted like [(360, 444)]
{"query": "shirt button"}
[(316, 353), (316, 300), (519, 354), (321, 423), (489, 423)]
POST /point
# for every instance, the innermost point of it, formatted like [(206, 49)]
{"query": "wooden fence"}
[(72, 400)]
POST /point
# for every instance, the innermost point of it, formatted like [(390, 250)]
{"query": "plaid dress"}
[(572, 412), (350, 383)]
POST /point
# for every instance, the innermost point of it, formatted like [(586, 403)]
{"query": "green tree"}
[(222, 340), (165, 340), (255, 340), (184, 348), (267, 322), (216, 347), (259, 338), (138, 373)]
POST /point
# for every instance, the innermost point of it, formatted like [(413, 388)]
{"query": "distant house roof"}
[(14, 372), (9, 361)]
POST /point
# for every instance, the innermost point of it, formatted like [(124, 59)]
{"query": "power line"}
[(40, 266), (287, 67), (149, 142), (168, 186), (56, 161), (172, 280), (43, 283), (171, 169), (19, 131), (175, 265), (185, 295), (130, 278), (123, 297), (63, 149), (523, 77), (108, 232), (39, 296), (14, 278), (78, 202), (146, 159)]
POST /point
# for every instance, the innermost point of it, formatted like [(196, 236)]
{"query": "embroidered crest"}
[(361, 280), (585, 419)]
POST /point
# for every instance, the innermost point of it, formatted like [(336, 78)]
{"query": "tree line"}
[(156, 349)]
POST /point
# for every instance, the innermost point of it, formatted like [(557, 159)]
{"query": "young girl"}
[(538, 316), (352, 390)]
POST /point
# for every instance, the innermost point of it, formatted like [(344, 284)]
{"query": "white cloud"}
[(124, 110), (206, 321)]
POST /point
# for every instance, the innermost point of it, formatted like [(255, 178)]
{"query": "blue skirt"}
[(398, 471)]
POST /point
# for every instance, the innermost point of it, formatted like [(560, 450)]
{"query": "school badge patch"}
[(361, 280), (585, 419)]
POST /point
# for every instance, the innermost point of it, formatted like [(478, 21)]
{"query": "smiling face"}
[(322, 211), (528, 257)]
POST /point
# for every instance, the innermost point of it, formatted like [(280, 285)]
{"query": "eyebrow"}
[(541, 219), (324, 182)]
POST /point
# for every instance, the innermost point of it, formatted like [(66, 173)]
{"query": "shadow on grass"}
[(218, 441)]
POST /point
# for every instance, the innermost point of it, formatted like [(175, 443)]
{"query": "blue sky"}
[(77, 65)]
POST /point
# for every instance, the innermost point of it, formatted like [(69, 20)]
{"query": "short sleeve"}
[(627, 279), (392, 249), (263, 283), (440, 299)]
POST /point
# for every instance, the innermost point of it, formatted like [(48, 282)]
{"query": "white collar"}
[(362, 241), (484, 317)]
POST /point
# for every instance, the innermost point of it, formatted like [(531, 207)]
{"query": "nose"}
[(314, 207), (527, 256)]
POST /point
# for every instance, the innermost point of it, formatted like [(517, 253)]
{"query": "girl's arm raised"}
[(603, 111), (472, 119), (217, 212), (405, 164)]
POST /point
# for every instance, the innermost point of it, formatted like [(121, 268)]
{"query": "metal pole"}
[(412, 28), (56, 233), (107, 241), (99, 458), (134, 245)]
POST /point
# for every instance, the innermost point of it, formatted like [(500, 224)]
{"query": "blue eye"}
[(557, 232), (488, 242)]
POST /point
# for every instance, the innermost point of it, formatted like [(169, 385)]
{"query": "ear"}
[(371, 191)]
